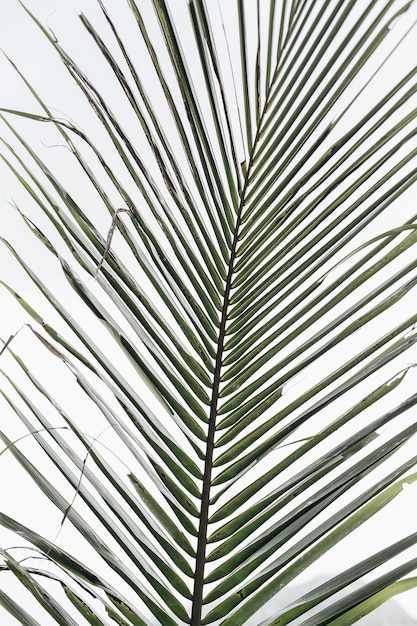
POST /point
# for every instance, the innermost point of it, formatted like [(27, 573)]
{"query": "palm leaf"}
[(245, 255)]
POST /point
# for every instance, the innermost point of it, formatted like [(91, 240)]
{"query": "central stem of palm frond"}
[(197, 600), (205, 498)]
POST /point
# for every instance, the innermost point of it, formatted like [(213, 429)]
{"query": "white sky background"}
[(29, 50)]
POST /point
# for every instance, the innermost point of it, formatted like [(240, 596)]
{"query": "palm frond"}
[(241, 267)]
